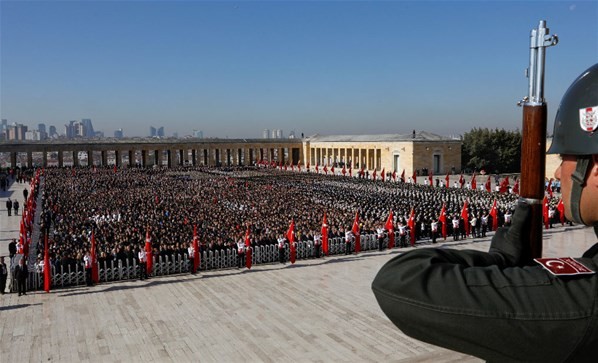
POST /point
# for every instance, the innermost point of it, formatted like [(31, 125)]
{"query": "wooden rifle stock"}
[(533, 170), (533, 145)]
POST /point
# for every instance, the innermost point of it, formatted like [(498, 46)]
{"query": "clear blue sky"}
[(232, 69)]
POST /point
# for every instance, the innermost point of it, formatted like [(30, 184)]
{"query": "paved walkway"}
[(313, 311)]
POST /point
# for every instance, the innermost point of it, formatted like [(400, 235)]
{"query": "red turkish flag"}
[(414, 177), (504, 185), (465, 216), (430, 177), (494, 214), (545, 213), (95, 275), (374, 175), (446, 179), (561, 208), (411, 224), (461, 181), (291, 239), (383, 175), (550, 188), (148, 252), (442, 220), (487, 185), (391, 230), (474, 184), (403, 176), (355, 230), (195, 250), (516, 187), (394, 175), (47, 267), (325, 235), (248, 249)]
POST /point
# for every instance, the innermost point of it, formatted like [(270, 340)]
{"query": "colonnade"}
[(146, 154), (369, 159)]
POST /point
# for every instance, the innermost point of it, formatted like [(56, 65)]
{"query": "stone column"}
[(89, 157), (131, 158), (60, 159), (144, 158), (104, 154), (117, 158), (44, 159), (75, 157), (29, 159)]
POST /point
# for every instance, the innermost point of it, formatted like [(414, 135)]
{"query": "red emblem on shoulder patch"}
[(563, 266)]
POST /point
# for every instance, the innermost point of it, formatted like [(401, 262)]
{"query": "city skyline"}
[(234, 69)]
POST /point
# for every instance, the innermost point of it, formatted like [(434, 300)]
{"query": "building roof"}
[(419, 136)]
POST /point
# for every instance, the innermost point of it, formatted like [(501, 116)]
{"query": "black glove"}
[(508, 241)]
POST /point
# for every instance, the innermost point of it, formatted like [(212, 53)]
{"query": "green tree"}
[(492, 150)]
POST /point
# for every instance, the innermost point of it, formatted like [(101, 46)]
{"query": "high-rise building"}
[(160, 132), (52, 131), (118, 134), (80, 129), (266, 134), (41, 128), (277, 134), (4, 129), (198, 134), (87, 128), (33, 135), (70, 130), (152, 132), (16, 132)]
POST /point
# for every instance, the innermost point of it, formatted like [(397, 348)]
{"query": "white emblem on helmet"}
[(588, 118)]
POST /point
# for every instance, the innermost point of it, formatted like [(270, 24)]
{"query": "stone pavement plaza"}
[(315, 311)]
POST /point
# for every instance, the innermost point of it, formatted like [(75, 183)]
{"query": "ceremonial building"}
[(388, 152)]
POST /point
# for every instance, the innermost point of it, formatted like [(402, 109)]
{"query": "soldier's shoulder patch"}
[(564, 266)]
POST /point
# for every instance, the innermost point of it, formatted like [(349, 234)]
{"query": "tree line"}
[(495, 151)]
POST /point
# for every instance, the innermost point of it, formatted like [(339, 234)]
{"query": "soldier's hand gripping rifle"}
[(533, 146)]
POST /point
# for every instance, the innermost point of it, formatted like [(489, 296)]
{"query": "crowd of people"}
[(124, 206)]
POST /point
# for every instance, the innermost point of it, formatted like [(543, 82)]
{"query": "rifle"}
[(533, 145)]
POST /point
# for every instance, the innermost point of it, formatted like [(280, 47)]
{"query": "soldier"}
[(281, 253), (455, 222), (484, 224), (240, 252), (3, 275), (142, 256), (15, 206), (191, 258), (9, 206), (508, 307), (87, 262), (21, 274), (473, 226), (349, 238), (434, 229), (402, 234), (380, 232), (317, 244)]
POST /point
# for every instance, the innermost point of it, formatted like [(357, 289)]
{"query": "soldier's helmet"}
[(576, 122)]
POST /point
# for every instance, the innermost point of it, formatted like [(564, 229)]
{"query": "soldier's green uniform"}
[(488, 304)]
